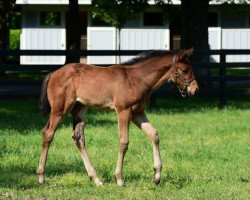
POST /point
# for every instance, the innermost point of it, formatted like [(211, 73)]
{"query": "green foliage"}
[(170, 13), (15, 22), (15, 39), (205, 153), (6, 9), (50, 18), (117, 12)]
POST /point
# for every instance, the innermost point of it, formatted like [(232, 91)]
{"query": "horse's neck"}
[(154, 73)]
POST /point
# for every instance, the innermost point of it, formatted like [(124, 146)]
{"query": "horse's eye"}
[(184, 70)]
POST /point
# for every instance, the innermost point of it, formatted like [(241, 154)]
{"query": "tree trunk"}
[(194, 30), (4, 31), (73, 30)]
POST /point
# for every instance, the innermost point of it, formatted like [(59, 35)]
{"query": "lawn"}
[(205, 153)]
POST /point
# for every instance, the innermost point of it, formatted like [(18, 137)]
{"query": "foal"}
[(124, 88)]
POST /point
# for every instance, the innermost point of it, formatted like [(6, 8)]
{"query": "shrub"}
[(15, 38)]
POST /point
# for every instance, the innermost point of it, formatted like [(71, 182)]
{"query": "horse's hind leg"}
[(58, 110), (141, 121), (47, 137), (79, 118)]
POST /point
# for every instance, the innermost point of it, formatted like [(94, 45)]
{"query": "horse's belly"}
[(97, 102)]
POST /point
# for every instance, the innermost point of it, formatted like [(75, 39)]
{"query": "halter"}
[(186, 82)]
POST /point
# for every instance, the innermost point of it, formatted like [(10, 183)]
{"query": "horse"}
[(125, 88)]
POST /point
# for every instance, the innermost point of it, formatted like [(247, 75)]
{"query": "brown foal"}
[(125, 88)]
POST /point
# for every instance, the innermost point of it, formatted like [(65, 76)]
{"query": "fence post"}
[(222, 74), (2, 69)]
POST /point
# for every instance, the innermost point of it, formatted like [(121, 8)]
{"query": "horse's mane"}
[(147, 55)]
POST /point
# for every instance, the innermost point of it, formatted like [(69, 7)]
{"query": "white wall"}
[(144, 39), (214, 41), (236, 39), (101, 38), (37, 37), (43, 39)]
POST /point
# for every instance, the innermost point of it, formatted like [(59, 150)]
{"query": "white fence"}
[(43, 39), (101, 38), (236, 39), (144, 39), (229, 39), (130, 39)]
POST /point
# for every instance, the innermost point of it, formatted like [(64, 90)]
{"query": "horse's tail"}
[(44, 102)]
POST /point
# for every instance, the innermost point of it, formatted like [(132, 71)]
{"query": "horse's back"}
[(91, 85), (101, 87)]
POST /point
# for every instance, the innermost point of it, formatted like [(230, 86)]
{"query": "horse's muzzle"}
[(192, 88)]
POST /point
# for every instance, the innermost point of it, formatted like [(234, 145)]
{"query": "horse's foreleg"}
[(141, 121), (123, 128), (78, 135), (47, 137)]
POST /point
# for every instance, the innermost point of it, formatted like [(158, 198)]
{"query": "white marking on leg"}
[(142, 122)]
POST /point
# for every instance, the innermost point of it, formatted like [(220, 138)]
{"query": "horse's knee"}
[(154, 136), (47, 138), (123, 144), (78, 131)]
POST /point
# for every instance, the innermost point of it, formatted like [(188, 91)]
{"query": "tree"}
[(194, 25), (194, 29), (73, 30), (118, 12), (168, 11), (6, 10)]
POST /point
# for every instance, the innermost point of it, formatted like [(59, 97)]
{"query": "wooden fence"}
[(221, 78)]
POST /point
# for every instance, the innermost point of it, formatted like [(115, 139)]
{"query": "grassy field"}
[(205, 153)]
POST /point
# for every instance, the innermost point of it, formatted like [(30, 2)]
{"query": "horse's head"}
[(182, 74)]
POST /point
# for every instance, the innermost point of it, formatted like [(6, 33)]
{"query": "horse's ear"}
[(189, 52), (185, 53)]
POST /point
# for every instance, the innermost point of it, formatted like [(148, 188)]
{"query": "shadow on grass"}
[(23, 115), (179, 181), (179, 104), (17, 177), (21, 177)]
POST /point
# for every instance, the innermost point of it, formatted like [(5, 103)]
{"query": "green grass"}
[(236, 72), (26, 75), (232, 71), (205, 153)]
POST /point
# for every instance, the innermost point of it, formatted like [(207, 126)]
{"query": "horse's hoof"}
[(156, 181), (41, 179), (120, 182), (98, 182)]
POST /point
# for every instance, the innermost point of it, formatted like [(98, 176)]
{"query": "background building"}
[(44, 25)]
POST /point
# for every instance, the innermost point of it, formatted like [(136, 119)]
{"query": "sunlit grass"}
[(205, 153)]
